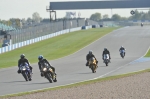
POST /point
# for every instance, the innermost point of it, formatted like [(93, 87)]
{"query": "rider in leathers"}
[(122, 48), (89, 56), (22, 61), (41, 60), (106, 52)]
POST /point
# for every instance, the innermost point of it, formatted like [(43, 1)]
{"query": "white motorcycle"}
[(106, 59)]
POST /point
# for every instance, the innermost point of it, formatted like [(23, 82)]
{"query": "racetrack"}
[(71, 69)]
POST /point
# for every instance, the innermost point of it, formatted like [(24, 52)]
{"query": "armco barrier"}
[(31, 41), (86, 27)]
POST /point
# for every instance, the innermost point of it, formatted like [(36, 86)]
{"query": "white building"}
[(70, 15)]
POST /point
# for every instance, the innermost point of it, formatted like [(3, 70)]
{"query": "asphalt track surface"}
[(71, 69)]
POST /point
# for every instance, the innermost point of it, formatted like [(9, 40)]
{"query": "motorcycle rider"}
[(122, 48), (41, 59), (89, 56), (22, 61), (106, 52)]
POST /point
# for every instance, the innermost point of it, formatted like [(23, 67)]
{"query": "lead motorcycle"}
[(48, 72), (26, 72), (106, 59), (93, 64), (141, 24)]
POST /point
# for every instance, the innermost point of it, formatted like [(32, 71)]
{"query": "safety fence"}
[(41, 29), (37, 39)]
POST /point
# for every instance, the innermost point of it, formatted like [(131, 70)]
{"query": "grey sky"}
[(25, 8)]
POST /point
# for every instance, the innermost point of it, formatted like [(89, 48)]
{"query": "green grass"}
[(147, 54), (79, 84), (55, 47)]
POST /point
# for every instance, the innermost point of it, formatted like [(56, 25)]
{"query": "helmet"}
[(90, 52), (105, 49), (121, 46), (40, 57), (22, 56)]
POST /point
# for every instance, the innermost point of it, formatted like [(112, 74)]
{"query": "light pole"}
[(51, 11)]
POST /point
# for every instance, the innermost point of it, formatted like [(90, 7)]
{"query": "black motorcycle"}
[(122, 53), (48, 72)]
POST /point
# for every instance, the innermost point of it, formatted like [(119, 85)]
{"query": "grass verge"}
[(147, 54), (55, 47), (78, 84)]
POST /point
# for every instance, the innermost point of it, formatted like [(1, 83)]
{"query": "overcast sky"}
[(25, 8)]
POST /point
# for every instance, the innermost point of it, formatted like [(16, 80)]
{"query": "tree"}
[(23, 21), (124, 18), (146, 16), (36, 17), (29, 20), (18, 23), (137, 15), (96, 17), (105, 16), (9, 23), (116, 17), (149, 12)]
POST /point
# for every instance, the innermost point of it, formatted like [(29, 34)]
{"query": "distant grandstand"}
[(6, 28)]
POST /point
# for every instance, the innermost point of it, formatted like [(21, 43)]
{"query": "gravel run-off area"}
[(131, 87)]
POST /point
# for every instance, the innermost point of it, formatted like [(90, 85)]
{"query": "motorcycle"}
[(122, 53), (106, 59), (141, 24), (48, 72), (93, 64), (26, 72)]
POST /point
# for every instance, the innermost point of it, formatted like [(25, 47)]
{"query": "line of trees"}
[(116, 17), (18, 23)]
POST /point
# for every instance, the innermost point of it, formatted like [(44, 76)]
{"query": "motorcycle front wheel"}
[(48, 77), (93, 68), (24, 74)]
